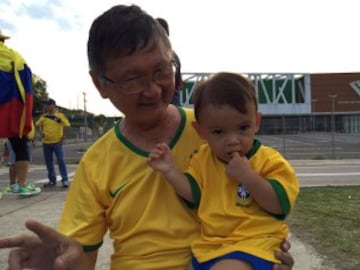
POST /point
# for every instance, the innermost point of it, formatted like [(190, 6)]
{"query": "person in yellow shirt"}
[(242, 189), (53, 126)]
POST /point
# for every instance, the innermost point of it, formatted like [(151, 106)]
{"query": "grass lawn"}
[(328, 218)]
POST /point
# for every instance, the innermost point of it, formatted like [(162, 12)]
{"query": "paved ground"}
[(47, 206), (315, 145)]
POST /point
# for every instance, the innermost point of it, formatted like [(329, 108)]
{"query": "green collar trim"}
[(254, 149), (141, 152)]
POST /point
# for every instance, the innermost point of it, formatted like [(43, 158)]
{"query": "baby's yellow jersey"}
[(231, 220)]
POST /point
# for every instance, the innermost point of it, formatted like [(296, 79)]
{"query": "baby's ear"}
[(258, 121), (198, 129)]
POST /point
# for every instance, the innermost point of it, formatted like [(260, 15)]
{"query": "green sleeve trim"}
[(92, 248), (196, 193), (254, 149), (284, 201)]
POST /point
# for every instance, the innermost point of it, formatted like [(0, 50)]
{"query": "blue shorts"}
[(256, 262)]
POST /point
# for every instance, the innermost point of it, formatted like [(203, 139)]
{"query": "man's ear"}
[(198, 129), (258, 121), (98, 84)]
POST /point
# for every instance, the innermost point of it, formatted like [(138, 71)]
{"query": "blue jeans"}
[(57, 149)]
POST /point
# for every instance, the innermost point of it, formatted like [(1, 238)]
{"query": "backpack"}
[(179, 83)]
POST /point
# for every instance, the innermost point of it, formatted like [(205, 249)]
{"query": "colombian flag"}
[(16, 95)]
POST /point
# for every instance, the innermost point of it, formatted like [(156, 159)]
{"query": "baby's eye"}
[(244, 128), (216, 131)]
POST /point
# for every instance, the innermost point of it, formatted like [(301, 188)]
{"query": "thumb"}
[(70, 256), (235, 154)]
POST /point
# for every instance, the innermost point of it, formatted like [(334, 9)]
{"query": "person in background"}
[(16, 103), (179, 84), (13, 184), (242, 189), (114, 191), (53, 127)]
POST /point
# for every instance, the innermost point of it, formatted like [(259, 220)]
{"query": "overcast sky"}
[(302, 36)]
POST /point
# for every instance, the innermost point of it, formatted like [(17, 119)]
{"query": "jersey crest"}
[(243, 197)]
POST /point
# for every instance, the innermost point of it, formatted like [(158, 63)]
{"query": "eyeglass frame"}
[(139, 81)]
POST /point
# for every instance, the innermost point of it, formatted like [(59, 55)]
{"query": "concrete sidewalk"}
[(47, 206)]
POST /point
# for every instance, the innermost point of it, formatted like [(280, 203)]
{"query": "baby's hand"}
[(237, 166), (159, 151), (160, 158)]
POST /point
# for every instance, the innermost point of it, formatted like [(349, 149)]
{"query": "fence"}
[(321, 136), (315, 145), (318, 136), (315, 136)]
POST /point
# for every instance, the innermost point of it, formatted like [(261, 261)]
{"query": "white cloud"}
[(209, 36)]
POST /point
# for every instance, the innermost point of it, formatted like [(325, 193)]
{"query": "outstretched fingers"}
[(44, 249), (46, 233), (18, 241), (67, 252)]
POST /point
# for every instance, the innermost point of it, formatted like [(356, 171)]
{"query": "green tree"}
[(40, 93)]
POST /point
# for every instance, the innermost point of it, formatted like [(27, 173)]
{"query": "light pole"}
[(313, 101), (333, 98), (284, 133), (85, 118)]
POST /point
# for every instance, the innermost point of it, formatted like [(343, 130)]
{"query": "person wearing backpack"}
[(179, 83), (16, 104)]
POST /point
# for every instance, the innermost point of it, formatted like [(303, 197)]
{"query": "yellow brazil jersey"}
[(231, 220), (114, 188), (52, 126)]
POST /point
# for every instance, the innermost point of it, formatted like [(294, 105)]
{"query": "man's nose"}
[(150, 85)]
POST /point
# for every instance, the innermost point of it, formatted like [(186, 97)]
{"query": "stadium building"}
[(293, 103)]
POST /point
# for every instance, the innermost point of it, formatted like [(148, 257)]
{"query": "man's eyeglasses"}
[(136, 85)]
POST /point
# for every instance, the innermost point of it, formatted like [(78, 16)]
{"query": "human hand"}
[(45, 250), (62, 139), (238, 166), (160, 158), (284, 256)]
